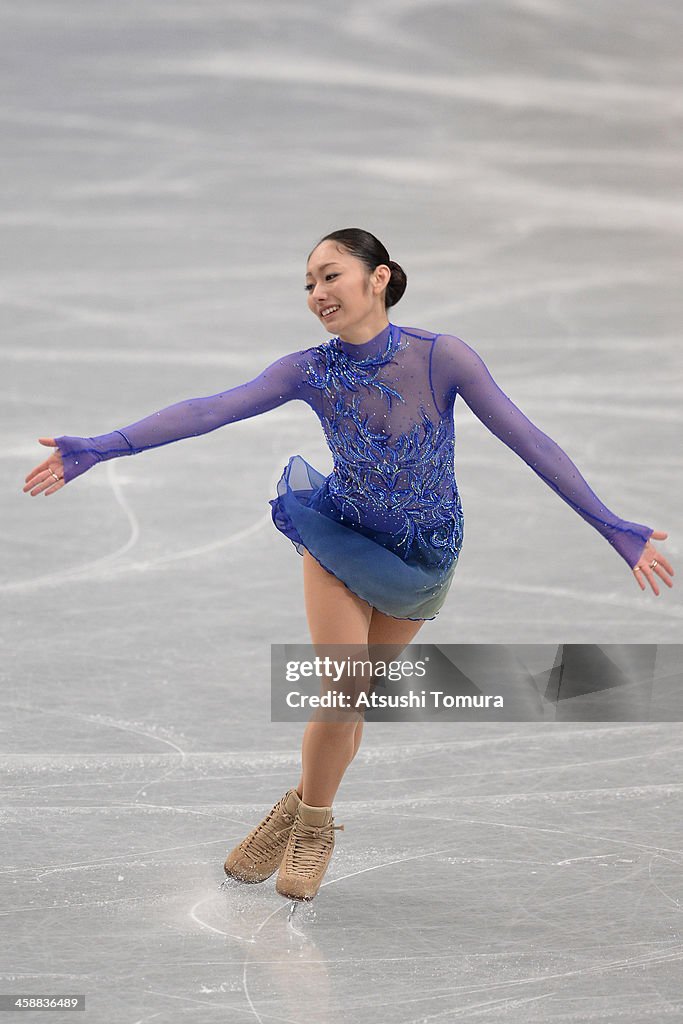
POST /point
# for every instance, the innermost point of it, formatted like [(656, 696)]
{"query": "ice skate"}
[(257, 857), (308, 852)]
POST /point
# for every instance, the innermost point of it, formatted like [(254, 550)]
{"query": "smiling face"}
[(335, 278)]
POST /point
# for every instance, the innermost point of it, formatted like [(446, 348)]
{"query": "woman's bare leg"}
[(394, 635), (338, 616), (335, 616)]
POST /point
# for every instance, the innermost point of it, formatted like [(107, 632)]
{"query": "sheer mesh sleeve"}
[(458, 370), (278, 383)]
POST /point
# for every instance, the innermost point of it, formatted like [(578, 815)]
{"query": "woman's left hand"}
[(652, 563)]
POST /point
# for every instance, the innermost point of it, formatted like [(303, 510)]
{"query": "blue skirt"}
[(411, 588)]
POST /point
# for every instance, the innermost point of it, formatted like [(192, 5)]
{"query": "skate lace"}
[(309, 845), (260, 843)]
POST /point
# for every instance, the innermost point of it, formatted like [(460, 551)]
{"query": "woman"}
[(381, 535)]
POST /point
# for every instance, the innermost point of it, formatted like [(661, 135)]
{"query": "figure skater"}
[(381, 535)]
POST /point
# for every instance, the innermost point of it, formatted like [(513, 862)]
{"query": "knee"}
[(336, 722)]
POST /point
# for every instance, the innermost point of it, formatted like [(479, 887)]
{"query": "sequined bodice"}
[(393, 462)]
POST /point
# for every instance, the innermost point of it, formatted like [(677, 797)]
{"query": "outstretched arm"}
[(459, 368), (278, 383)]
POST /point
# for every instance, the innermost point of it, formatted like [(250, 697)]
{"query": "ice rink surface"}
[(167, 168)]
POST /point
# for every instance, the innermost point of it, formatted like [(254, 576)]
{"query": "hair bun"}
[(397, 283)]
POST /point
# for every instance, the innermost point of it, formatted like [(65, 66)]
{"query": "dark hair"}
[(372, 253)]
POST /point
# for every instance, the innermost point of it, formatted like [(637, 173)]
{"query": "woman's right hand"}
[(42, 478)]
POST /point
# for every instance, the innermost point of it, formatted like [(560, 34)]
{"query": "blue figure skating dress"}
[(388, 520)]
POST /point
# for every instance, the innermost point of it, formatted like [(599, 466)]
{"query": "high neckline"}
[(367, 349)]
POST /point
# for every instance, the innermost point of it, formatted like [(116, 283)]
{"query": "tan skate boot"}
[(308, 852), (257, 857)]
